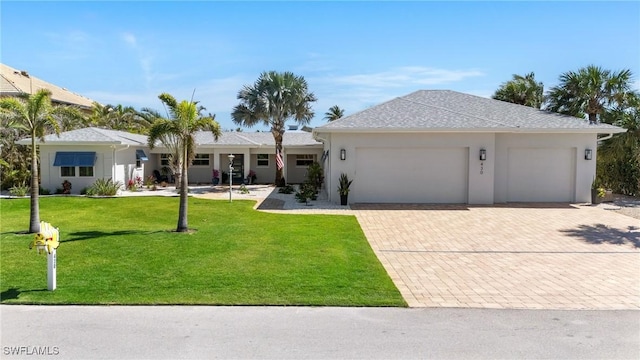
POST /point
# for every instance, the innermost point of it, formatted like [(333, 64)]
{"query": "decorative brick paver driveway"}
[(542, 256)]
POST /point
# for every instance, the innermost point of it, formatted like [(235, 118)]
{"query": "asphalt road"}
[(204, 332)]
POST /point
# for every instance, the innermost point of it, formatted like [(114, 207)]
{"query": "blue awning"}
[(75, 158), (140, 155)]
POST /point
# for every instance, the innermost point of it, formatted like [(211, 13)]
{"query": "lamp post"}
[(230, 174)]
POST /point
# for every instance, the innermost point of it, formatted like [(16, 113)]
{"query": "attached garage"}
[(440, 146), (411, 175), (541, 175)]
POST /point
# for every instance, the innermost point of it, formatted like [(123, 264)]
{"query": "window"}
[(164, 159), (201, 160), (263, 160), (304, 160), (67, 171), (86, 171)]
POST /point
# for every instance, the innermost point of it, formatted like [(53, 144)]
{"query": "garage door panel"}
[(541, 174), (414, 175)]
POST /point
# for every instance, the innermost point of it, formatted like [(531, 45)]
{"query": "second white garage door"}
[(541, 174), (413, 175)]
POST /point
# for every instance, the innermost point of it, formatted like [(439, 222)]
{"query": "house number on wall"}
[(481, 168)]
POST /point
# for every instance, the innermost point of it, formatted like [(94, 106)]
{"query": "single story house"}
[(81, 156), (439, 146)]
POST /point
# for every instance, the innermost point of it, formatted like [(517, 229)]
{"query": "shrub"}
[(307, 191), (287, 189), (19, 190), (44, 191), (104, 187)]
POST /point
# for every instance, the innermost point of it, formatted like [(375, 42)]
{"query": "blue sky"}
[(353, 54)]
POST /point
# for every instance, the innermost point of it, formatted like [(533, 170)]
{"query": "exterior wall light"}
[(343, 154), (483, 154), (588, 154)]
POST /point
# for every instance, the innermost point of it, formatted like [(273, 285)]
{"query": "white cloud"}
[(406, 76), (130, 39)]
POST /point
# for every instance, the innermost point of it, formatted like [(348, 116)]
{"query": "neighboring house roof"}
[(92, 136), (14, 82), (445, 110), (97, 136)]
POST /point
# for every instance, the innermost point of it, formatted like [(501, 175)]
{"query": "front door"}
[(238, 169)]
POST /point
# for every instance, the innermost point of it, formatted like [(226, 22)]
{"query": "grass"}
[(124, 251)]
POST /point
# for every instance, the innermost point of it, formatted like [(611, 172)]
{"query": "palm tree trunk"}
[(593, 118), (34, 218), (184, 199)]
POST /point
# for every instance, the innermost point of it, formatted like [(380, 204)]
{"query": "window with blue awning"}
[(140, 155), (75, 158)]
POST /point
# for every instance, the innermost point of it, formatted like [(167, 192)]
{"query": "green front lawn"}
[(123, 251)]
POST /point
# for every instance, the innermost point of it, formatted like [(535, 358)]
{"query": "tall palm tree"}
[(334, 113), (178, 131), (119, 117), (619, 157), (589, 91), (273, 99), (522, 90), (34, 114)]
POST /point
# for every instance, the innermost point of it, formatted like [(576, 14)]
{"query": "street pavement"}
[(204, 332)]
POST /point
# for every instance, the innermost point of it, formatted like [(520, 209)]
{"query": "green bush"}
[(44, 191), (19, 190), (288, 189), (103, 187)]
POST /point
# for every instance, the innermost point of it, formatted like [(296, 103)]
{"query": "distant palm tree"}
[(522, 90), (179, 131), (271, 100), (35, 114), (589, 91), (334, 113), (119, 117)]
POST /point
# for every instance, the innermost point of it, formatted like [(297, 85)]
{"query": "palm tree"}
[(589, 91), (273, 99), (619, 158), (522, 90), (119, 117), (334, 113), (179, 131), (35, 114)]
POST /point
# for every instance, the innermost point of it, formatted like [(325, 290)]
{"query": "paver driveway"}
[(541, 256)]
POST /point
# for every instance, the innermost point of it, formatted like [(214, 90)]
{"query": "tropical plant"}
[(119, 117), (315, 175), (619, 158), (522, 90), (178, 132), (590, 91), (272, 100), (19, 190), (104, 187), (334, 113), (35, 114), (343, 184)]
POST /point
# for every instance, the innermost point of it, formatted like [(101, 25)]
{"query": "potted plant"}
[(343, 188), (216, 177), (597, 192), (252, 177)]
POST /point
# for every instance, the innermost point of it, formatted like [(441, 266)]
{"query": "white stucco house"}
[(84, 155), (439, 146)]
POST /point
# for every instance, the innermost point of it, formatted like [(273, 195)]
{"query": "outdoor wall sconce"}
[(588, 154), (343, 154), (483, 154)]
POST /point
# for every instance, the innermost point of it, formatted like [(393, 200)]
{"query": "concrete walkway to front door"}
[(530, 256)]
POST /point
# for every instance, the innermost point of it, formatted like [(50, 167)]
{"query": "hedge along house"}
[(84, 155), (440, 146)]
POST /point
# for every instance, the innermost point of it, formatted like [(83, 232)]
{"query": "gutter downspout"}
[(604, 138)]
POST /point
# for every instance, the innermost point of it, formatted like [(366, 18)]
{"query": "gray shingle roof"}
[(433, 110), (14, 82), (94, 136)]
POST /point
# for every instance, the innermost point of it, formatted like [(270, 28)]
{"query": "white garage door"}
[(418, 175), (541, 175)]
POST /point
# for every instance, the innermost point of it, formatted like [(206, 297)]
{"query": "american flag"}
[(279, 162)]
